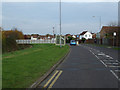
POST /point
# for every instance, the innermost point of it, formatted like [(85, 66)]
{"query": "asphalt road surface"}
[(86, 67)]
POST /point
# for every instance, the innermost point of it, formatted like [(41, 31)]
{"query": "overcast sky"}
[(40, 17), (59, 0)]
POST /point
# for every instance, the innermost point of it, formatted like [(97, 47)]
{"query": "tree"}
[(83, 40), (113, 23), (9, 39)]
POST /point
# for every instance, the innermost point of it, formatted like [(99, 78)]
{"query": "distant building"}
[(68, 35), (74, 36), (39, 37), (93, 35), (86, 35), (33, 38), (27, 36), (98, 35)]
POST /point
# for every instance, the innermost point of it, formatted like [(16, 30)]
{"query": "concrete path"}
[(85, 67)]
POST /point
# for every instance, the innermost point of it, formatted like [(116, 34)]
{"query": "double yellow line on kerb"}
[(55, 77)]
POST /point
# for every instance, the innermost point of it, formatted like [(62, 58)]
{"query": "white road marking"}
[(103, 63), (114, 74), (94, 54), (107, 55), (109, 60), (99, 59), (112, 63), (101, 54), (114, 66), (117, 70)]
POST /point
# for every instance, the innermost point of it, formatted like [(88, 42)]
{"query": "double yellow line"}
[(55, 77)]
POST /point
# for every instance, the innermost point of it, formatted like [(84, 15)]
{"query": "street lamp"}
[(60, 22), (99, 21), (114, 34)]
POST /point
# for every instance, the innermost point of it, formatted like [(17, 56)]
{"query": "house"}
[(85, 34), (27, 36), (46, 37), (74, 36), (107, 35), (34, 36), (93, 35), (107, 31), (68, 35)]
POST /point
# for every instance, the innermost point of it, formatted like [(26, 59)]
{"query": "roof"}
[(67, 34), (83, 32), (110, 29)]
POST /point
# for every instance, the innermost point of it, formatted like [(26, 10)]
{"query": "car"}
[(72, 42)]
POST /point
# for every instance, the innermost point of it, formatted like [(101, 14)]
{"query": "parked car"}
[(72, 42)]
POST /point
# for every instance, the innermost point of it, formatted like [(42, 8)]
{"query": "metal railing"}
[(28, 41)]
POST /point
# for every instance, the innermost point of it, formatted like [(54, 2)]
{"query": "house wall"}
[(33, 38), (87, 35), (81, 36)]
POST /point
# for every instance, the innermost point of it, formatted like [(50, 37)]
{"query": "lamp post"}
[(60, 22), (53, 34), (114, 34), (99, 21)]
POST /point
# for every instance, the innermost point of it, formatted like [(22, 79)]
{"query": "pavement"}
[(86, 66)]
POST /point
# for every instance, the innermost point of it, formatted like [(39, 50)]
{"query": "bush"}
[(9, 40)]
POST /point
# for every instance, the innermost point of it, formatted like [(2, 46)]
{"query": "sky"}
[(59, 0), (41, 17)]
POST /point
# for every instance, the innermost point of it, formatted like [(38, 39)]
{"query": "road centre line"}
[(55, 79), (50, 79)]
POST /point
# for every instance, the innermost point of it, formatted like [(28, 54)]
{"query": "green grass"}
[(22, 68)]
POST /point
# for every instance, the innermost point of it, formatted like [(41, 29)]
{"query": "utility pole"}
[(60, 22), (99, 21), (53, 35)]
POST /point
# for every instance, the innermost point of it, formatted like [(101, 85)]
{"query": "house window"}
[(85, 35), (89, 35)]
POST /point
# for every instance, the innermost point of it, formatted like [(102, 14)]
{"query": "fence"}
[(110, 42), (105, 41), (35, 41)]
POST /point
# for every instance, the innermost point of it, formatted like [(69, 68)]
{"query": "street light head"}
[(114, 33)]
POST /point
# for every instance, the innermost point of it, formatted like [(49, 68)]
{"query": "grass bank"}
[(22, 68)]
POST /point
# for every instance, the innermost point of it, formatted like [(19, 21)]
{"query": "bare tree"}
[(113, 23)]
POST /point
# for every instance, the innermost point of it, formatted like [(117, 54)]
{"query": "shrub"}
[(9, 40)]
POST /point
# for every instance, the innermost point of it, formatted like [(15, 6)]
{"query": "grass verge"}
[(24, 67), (106, 46)]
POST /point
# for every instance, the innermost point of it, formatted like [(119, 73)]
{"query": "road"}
[(86, 67)]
